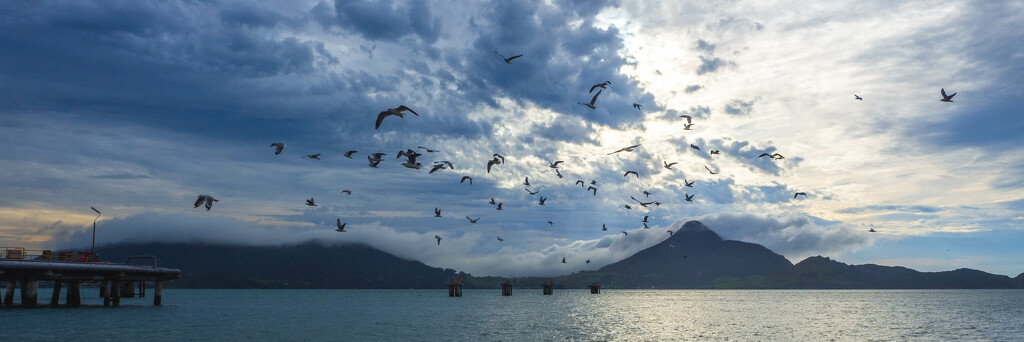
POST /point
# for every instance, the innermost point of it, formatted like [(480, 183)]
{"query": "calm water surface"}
[(483, 315)]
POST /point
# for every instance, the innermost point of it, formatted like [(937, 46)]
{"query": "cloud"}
[(690, 89), (712, 64), (794, 236), (926, 209), (381, 20), (704, 46), (739, 107)]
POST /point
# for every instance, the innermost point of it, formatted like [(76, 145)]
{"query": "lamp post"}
[(92, 254)]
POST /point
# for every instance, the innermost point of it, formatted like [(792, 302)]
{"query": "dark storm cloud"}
[(739, 107), (381, 19), (572, 130), (690, 89)]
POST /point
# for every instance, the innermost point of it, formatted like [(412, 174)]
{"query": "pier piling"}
[(29, 293), (506, 288), (74, 297), (158, 290), (455, 287), (9, 295), (106, 292), (55, 298), (549, 287), (595, 288)]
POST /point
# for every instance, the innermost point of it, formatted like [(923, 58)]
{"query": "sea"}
[(567, 315)]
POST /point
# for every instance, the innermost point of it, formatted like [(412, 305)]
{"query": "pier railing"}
[(22, 253)]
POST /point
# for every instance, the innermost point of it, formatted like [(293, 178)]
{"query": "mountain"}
[(693, 257), (307, 265), (824, 273)]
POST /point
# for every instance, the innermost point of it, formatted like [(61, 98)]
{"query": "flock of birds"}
[(497, 159)]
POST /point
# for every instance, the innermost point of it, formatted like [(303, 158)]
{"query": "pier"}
[(595, 288), (115, 280), (506, 287)]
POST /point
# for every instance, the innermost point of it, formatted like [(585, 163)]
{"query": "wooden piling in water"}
[(506, 288), (549, 287), (55, 298), (595, 288), (106, 292)]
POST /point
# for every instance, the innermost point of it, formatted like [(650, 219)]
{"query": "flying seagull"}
[(592, 101), (393, 111), (438, 239), (527, 181), (709, 170), (689, 119), (645, 219), (625, 233), (341, 226), (798, 194), (588, 261), (855, 97), (492, 162), (207, 199), (871, 230), (689, 197), (542, 200), (313, 156), (626, 149), (280, 146), (591, 188), (500, 239), (604, 227), (645, 226), (347, 192), (647, 193), (499, 206), (492, 201), (688, 184), (531, 192), (550, 223), (435, 168), (554, 165), (464, 178), (694, 147), (669, 165), (633, 172), (716, 152), (428, 149), (310, 202), (509, 59), (636, 105), (580, 183), (686, 127), (628, 207), (669, 232), (559, 174), (472, 220), (601, 85), (349, 154), (563, 260), (499, 156), (946, 98), (437, 212)]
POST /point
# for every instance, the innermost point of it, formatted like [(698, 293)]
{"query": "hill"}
[(306, 265)]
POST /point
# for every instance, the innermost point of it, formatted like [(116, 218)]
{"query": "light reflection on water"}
[(429, 315)]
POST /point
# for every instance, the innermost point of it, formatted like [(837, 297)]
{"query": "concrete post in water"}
[(55, 298), (549, 287), (29, 293), (158, 290), (595, 288), (9, 295), (506, 288), (106, 292), (116, 293), (74, 297)]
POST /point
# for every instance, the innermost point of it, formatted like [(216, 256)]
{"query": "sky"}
[(136, 108)]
